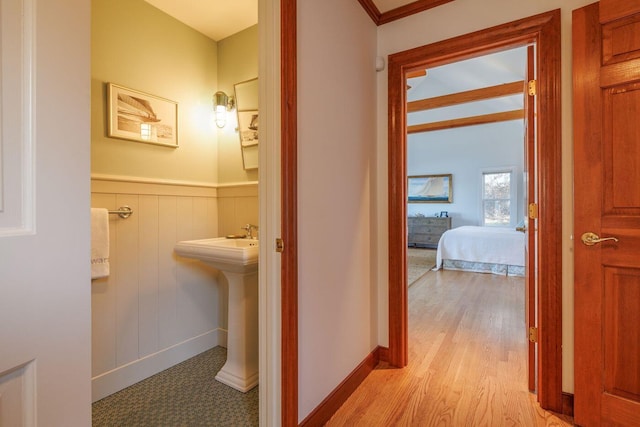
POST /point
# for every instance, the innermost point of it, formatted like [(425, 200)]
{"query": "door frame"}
[(544, 31), (289, 212)]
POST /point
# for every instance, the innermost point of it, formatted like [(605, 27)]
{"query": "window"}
[(497, 196)]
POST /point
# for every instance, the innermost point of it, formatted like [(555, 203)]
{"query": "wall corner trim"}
[(146, 180), (237, 184), (340, 394), (567, 404), (124, 376)]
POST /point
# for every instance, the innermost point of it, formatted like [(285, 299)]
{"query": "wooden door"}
[(606, 69), (530, 227)]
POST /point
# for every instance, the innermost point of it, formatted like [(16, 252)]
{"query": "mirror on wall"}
[(246, 94)]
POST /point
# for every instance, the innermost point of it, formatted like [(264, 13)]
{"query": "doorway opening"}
[(542, 31), (468, 170)]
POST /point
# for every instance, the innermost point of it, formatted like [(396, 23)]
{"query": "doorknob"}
[(591, 239)]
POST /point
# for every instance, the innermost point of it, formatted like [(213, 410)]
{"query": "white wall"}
[(336, 148), (446, 21), (465, 153)]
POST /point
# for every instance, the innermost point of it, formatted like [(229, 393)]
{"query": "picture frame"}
[(248, 128), (138, 116), (430, 188)]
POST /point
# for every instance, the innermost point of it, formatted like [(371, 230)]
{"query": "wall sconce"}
[(222, 103)]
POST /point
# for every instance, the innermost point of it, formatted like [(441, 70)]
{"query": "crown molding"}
[(399, 12)]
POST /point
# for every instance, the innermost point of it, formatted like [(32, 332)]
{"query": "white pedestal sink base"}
[(240, 384), (237, 259), (241, 368)]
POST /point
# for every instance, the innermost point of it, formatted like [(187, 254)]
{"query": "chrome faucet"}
[(249, 228)]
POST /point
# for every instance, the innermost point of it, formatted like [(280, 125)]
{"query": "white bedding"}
[(490, 245)]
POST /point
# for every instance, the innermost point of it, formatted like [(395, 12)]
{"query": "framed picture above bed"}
[(430, 189)]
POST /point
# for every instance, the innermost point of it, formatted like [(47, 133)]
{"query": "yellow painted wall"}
[(136, 45), (237, 62)]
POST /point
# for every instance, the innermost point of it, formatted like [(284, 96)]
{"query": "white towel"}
[(99, 243)]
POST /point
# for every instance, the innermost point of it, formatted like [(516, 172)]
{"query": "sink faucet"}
[(249, 228)]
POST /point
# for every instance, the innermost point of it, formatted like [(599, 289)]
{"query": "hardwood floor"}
[(467, 360)]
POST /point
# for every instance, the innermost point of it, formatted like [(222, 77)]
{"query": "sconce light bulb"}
[(221, 117), (221, 104)]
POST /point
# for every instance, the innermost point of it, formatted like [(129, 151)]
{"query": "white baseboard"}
[(124, 376)]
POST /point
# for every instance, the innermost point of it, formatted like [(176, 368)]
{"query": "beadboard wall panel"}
[(167, 282), (148, 270), (155, 309), (238, 206)]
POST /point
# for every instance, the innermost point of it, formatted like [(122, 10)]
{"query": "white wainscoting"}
[(237, 206), (155, 309)]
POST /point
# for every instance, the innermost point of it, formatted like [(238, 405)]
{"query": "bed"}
[(482, 249)]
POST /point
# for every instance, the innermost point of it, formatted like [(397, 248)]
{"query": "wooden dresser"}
[(425, 231)]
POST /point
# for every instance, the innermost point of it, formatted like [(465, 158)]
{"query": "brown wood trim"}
[(383, 354), (610, 10), (416, 73), (531, 233), (372, 10), (399, 12), (587, 126), (289, 189), (397, 152), (467, 121), (544, 30), (567, 404), (549, 119), (409, 9), (466, 96), (323, 412), (609, 76)]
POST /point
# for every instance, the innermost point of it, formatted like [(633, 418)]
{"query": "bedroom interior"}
[(470, 128), (465, 122), (447, 294)]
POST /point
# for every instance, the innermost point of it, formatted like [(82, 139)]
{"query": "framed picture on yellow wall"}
[(141, 117), (248, 128)]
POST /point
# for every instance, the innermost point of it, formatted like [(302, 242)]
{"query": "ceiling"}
[(218, 19), (480, 72)]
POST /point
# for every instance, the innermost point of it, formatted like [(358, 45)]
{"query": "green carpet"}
[(184, 395), (419, 262)]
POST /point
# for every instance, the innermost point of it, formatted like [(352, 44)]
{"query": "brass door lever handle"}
[(591, 239)]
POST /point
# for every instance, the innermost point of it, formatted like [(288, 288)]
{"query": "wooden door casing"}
[(607, 200), (289, 212), (530, 223), (544, 31)]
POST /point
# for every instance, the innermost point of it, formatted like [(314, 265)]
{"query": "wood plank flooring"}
[(467, 360)]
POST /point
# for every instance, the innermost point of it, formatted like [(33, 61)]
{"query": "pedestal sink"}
[(237, 259)]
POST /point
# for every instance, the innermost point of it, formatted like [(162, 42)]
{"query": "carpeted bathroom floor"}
[(184, 395), (188, 395)]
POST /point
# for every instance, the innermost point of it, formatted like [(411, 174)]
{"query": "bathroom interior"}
[(156, 309)]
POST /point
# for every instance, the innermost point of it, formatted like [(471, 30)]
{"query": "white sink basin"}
[(231, 255), (237, 259)]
